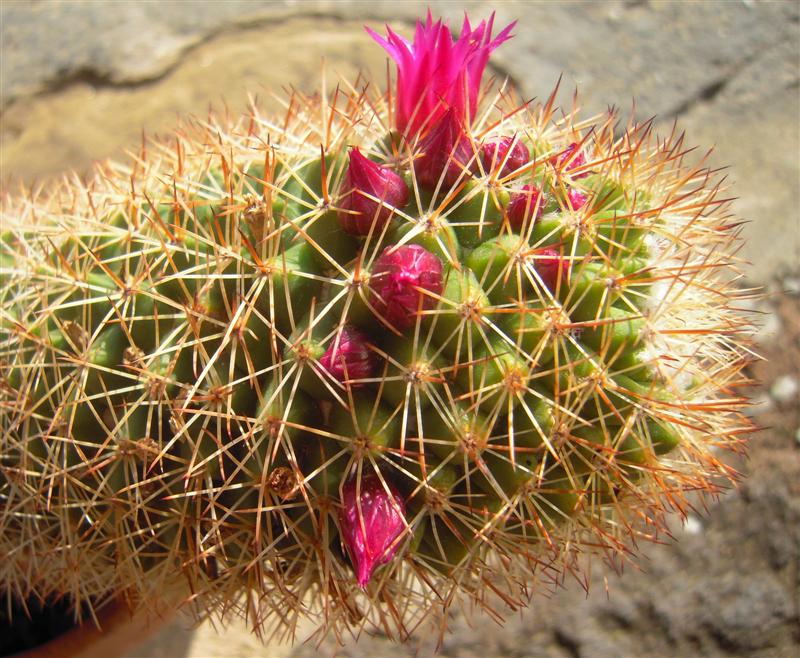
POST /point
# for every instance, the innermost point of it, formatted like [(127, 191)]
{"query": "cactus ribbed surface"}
[(458, 350)]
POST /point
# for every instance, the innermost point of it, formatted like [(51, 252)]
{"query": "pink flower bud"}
[(577, 199), (567, 160), (348, 356), (371, 521), (495, 152), (401, 281), (552, 266), (525, 205), (363, 180), (445, 150)]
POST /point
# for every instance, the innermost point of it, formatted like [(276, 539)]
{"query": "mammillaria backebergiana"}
[(386, 353)]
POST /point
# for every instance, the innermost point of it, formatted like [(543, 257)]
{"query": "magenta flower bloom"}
[(436, 73), (371, 521), (403, 282), (348, 356), (363, 180), (501, 152), (524, 206), (444, 149)]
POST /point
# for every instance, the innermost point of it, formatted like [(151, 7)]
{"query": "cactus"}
[(382, 355)]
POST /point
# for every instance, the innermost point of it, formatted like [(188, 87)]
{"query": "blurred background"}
[(81, 81)]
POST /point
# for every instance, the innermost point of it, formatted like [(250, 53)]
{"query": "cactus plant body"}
[(384, 354)]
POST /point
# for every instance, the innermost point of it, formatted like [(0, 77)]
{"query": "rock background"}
[(79, 81)]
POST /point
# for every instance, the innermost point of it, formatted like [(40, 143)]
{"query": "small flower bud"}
[(525, 205), (348, 356), (577, 199), (567, 161), (363, 180), (552, 266), (371, 521), (445, 151), (494, 153), (401, 281)]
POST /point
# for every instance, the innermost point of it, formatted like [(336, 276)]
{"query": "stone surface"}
[(784, 389), (80, 80)]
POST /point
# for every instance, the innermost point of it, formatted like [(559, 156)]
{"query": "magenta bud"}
[(348, 356), (446, 153), (525, 205), (405, 280), (370, 193), (568, 160), (506, 153), (577, 199), (551, 266), (371, 521)]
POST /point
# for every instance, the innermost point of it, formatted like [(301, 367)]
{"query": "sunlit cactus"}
[(364, 361)]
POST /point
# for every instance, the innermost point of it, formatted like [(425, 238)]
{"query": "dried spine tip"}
[(372, 521), (404, 281), (370, 193)]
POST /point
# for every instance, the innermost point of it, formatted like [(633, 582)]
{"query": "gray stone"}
[(791, 285), (785, 388), (759, 404), (742, 610)]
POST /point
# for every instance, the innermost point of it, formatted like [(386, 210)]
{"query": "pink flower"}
[(501, 152), (444, 149), (403, 282), (436, 73), (365, 179), (525, 205), (348, 356), (371, 521)]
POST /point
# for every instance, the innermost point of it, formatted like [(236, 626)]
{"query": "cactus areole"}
[(357, 363)]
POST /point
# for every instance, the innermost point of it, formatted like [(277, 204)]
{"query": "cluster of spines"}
[(164, 340)]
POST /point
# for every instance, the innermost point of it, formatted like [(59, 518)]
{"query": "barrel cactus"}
[(383, 354)]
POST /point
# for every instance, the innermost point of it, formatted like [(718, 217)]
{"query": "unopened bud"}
[(371, 520), (568, 160), (370, 193), (577, 199), (525, 205), (404, 281), (348, 356), (446, 153), (551, 266), (504, 153)]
